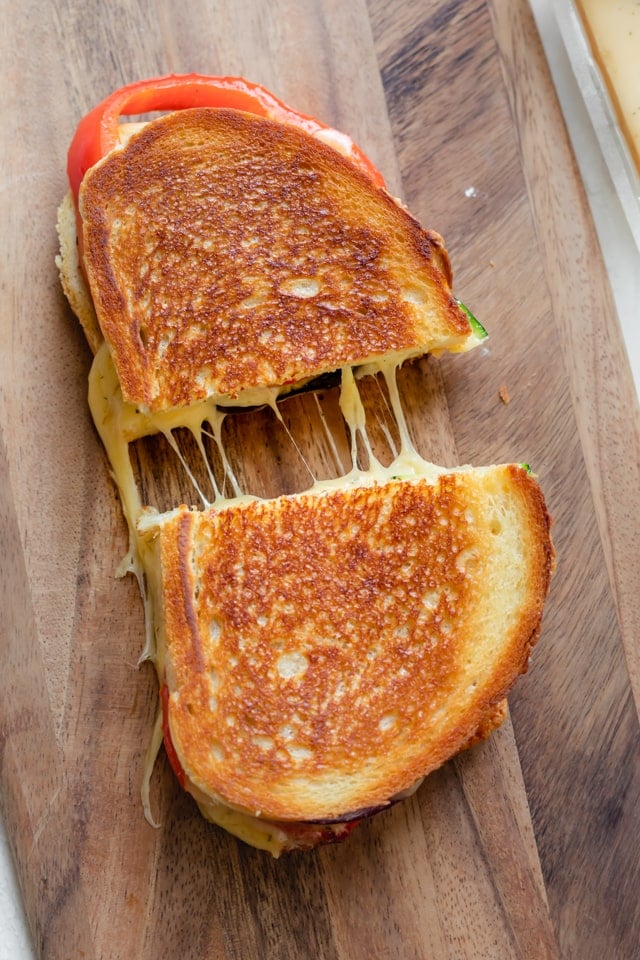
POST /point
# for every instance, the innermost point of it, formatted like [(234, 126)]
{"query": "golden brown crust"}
[(227, 252), (325, 651), (494, 718)]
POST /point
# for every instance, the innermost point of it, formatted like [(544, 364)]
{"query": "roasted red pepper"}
[(97, 133), (170, 750)]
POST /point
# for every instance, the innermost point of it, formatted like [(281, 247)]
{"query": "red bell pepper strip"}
[(97, 132), (170, 750)]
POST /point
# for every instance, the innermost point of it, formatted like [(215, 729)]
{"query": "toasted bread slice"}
[(324, 651), (228, 254)]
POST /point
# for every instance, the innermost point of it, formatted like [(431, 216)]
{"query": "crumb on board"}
[(492, 263), (503, 393)]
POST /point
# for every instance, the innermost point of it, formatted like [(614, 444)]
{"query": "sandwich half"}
[(319, 654), (230, 257)]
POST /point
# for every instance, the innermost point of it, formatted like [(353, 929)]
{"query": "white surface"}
[(623, 262), (14, 937)]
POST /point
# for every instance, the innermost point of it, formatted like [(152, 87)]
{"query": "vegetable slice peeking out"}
[(170, 750), (476, 326), (97, 133)]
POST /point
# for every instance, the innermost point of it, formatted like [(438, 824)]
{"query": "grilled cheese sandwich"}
[(318, 653)]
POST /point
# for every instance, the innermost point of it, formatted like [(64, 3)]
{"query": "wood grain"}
[(525, 847)]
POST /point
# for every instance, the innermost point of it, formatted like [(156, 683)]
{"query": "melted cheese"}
[(252, 830), (149, 763), (119, 423)]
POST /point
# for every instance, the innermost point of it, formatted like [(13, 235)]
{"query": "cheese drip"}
[(120, 423)]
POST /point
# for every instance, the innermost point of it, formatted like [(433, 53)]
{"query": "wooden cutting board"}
[(525, 847)]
